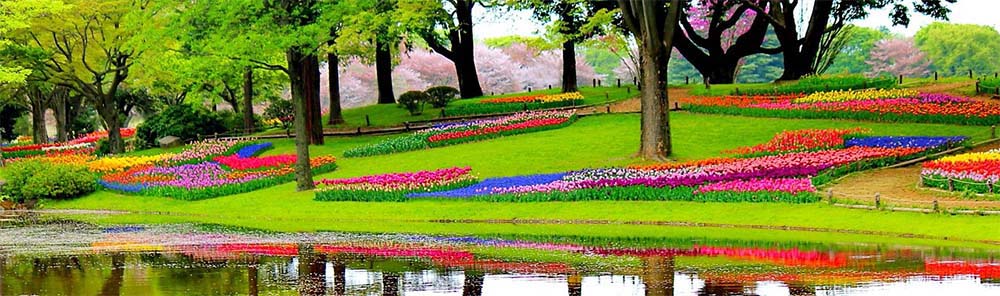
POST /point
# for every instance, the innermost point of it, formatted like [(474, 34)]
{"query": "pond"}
[(61, 257)]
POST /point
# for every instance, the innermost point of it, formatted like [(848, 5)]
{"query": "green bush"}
[(281, 109), (414, 101), (184, 121), (233, 121), (37, 180), (440, 96), (481, 108)]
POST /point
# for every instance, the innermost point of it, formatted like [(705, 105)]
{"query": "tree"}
[(653, 23), (855, 52), (458, 46), (18, 15), (568, 19), (957, 48), (90, 50), (898, 56), (718, 34), (806, 52)]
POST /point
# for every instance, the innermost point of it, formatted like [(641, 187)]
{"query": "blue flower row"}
[(253, 149), (122, 187), (899, 142), (487, 185)]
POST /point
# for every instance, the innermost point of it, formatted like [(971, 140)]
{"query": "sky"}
[(495, 23)]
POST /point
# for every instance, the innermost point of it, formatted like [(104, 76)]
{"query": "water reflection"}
[(164, 260)]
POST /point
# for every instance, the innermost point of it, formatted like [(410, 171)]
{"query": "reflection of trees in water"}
[(473, 285), (113, 285), (800, 289), (390, 284), (658, 275), (574, 283), (312, 271)]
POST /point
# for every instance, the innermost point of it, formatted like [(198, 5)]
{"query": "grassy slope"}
[(592, 142), (392, 115)]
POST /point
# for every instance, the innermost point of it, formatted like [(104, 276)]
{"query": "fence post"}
[(607, 96), (598, 82), (608, 106), (996, 75), (687, 79), (359, 130), (878, 200), (634, 82), (628, 90), (900, 79), (951, 184), (550, 86), (990, 186), (977, 87), (935, 76), (829, 196), (368, 121), (936, 207), (594, 81), (619, 82), (970, 73), (993, 131), (529, 89), (407, 125), (676, 106)]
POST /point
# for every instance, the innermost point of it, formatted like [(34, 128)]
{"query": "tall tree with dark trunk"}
[(568, 18), (717, 34), (37, 98), (383, 71), (653, 24), (248, 122), (333, 64), (807, 52), (457, 23)]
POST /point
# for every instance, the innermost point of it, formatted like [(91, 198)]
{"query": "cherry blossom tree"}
[(898, 56)]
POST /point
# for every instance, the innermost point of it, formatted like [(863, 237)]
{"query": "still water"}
[(70, 258)]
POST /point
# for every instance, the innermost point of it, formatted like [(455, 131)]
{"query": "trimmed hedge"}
[(813, 84), (31, 179)]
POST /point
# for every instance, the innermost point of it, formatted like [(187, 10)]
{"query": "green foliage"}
[(281, 109), (957, 48), (440, 96), (32, 179), (811, 84), (414, 101), (184, 121), (233, 121), (533, 42), (9, 113), (851, 59)]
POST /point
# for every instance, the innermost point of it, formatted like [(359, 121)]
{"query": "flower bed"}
[(189, 176), (976, 172), (901, 107), (463, 132), (799, 140), (392, 187), (516, 104), (84, 145), (784, 177)]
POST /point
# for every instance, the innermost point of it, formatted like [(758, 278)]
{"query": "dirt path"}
[(634, 104), (901, 186)]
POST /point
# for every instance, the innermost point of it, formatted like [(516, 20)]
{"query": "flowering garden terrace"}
[(209, 169), (893, 105), (517, 104), (976, 172), (444, 134), (785, 169), (84, 145)]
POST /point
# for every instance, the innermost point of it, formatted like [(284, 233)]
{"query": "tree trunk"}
[(655, 137), (569, 67), (574, 285), (62, 118), (383, 72), (464, 52), (723, 72), (113, 285), (303, 172), (336, 115), (253, 283), (248, 122), (39, 132), (310, 80), (312, 271)]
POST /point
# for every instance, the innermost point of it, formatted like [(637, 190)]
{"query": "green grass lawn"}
[(598, 141), (392, 115)]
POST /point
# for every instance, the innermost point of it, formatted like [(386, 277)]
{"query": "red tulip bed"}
[(446, 134), (888, 106), (84, 145), (786, 169), (975, 172), (210, 169)]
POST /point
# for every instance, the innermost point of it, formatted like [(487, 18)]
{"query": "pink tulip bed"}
[(446, 134), (787, 173), (210, 169), (393, 187)]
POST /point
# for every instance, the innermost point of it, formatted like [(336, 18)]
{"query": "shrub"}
[(37, 180), (233, 121), (414, 101), (440, 96), (281, 110), (184, 121)]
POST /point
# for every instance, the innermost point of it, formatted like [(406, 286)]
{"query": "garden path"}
[(901, 187)]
